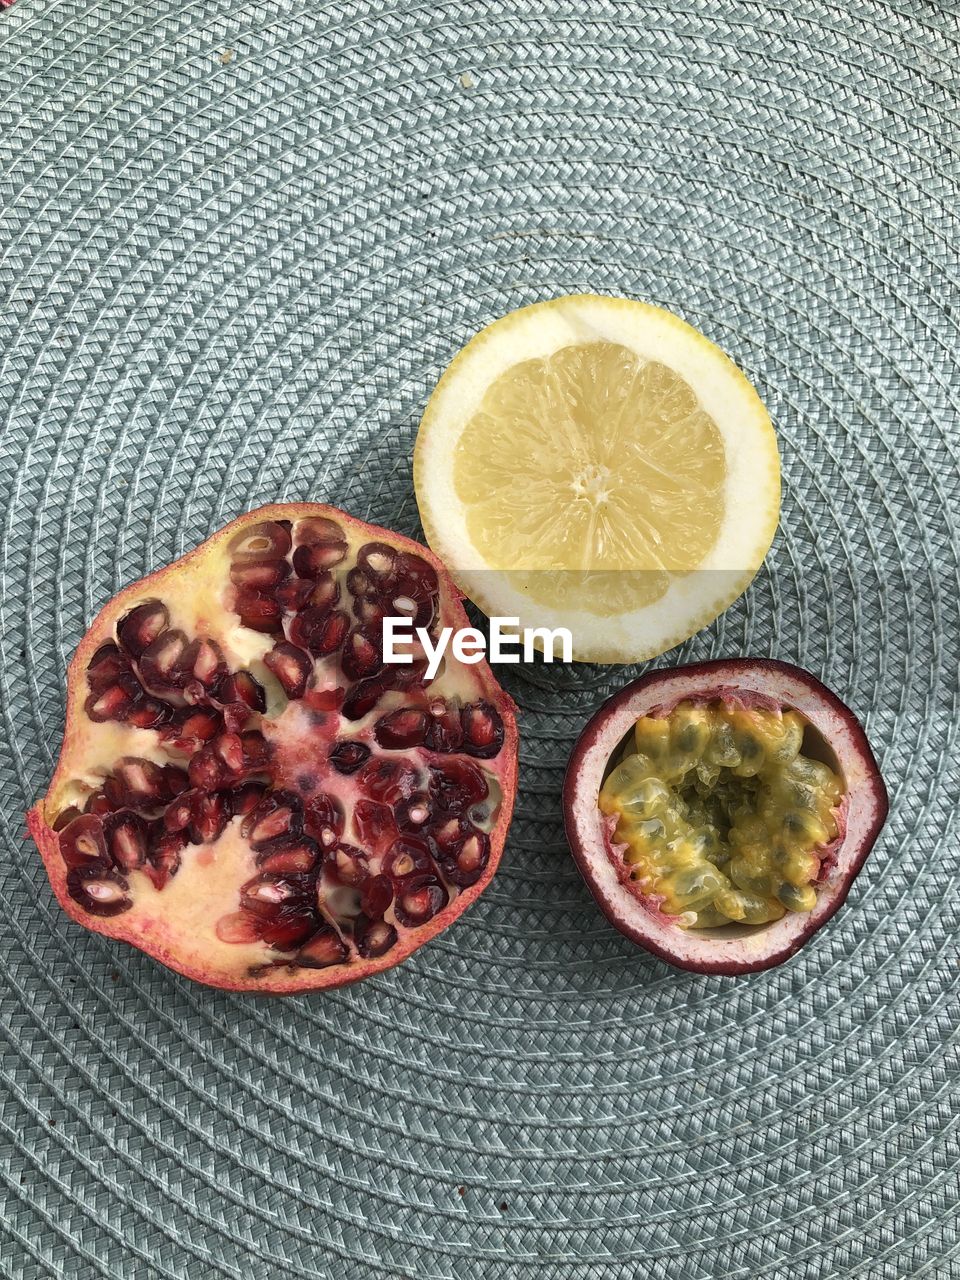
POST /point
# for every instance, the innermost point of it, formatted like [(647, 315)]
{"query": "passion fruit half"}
[(720, 812)]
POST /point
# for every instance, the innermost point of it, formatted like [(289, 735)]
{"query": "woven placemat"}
[(238, 243)]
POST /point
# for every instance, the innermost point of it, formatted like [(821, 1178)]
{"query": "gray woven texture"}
[(225, 281)]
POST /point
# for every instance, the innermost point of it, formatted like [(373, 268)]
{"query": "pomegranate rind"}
[(758, 681), (276, 979)]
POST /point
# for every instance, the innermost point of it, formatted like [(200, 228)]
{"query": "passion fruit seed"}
[(721, 814), (337, 815)]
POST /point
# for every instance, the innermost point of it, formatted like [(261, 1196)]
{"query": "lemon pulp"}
[(594, 463)]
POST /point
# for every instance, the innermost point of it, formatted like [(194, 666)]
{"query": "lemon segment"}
[(598, 464)]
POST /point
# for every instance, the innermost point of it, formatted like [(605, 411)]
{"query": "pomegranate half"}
[(720, 812), (246, 791)]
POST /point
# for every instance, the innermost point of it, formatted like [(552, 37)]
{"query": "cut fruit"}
[(597, 464), (237, 796), (720, 812)]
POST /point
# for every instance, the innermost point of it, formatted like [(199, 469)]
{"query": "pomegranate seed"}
[(265, 895), (449, 834), (207, 771), (204, 661), (419, 900), (259, 575), (256, 753), (258, 612), (228, 747), (295, 593), (116, 702), (289, 929), (324, 700), (361, 657), (106, 667), (468, 864), (191, 727), (177, 815), (238, 927), (426, 613), (414, 813), (347, 864), (347, 755), (104, 891), (388, 780), (373, 937), (137, 784), (127, 840), (375, 825), (444, 732), (142, 625), (235, 716), (363, 697), (269, 540), (241, 686), (482, 730), (309, 562), (162, 663), (319, 530), (473, 856), (279, 813), (415, 589), (175, 780), (82, 842), (209, 816), (401, 729), (377, 560), (457, 784), (323, 818), (246, 798), (415, 577), (164, 858), (318, 631), (228, 759), (325, 948), (406, 676), (150, 713), (298, 856), (98, 803), (376, 894), (65, 817), (292, 667), (100, 892), (325, 593), (358, 583), (370, 614), (408, 857)]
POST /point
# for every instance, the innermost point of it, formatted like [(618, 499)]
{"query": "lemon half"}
[(598, 464)]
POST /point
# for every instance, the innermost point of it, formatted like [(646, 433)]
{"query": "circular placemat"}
[(238, 243)]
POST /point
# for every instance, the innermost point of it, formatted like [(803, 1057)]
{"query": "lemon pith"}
[(596, 463)]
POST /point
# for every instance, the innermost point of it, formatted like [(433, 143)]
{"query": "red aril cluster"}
[(359, 823)]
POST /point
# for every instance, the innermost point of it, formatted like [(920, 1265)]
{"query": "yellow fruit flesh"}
[(592, 475), (722, 813)]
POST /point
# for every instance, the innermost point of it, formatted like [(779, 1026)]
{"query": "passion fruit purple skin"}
[(762, 682)]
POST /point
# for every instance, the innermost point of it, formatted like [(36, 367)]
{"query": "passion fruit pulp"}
[(719, 813)]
